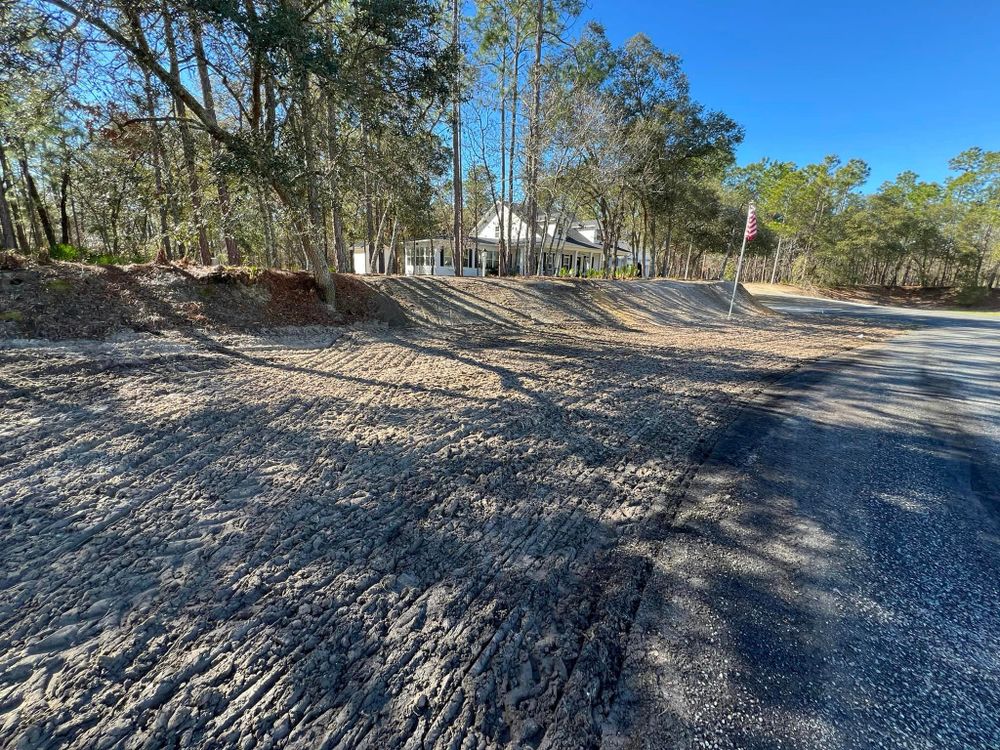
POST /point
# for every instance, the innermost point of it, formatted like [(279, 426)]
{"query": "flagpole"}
[(739, 263)]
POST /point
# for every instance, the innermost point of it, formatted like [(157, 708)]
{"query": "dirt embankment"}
[(72, 300), (915, 296), (437, 301), (944, 298)]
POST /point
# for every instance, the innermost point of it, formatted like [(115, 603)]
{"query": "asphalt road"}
[(833, 579)]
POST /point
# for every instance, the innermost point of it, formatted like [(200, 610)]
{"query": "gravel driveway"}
[(347, 537), (833, 582)]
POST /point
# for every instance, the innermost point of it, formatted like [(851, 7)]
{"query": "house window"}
[(420, 256), (496, 230)]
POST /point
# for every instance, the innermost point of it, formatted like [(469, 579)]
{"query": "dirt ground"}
[(348, 536), (59, 300), (73, 300), (945, 298)]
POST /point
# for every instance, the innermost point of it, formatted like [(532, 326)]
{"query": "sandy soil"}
[(72, 300), (943, 298), (351, 536)]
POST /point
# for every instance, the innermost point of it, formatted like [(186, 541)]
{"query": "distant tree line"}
[(283, 133), (821, 228)]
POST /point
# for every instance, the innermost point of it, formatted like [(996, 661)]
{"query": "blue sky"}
[(902, 85)]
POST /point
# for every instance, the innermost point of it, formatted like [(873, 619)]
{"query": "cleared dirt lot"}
[(348, 537)]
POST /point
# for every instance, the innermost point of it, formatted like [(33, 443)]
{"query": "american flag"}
[(751, 230)]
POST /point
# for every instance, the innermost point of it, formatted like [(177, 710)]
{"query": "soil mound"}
[(632, 303), (926, 297), (73, 300)]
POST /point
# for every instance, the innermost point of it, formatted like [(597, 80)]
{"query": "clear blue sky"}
[(902, 85)]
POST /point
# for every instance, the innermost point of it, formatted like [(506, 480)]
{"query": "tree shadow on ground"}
[(385, 562), (760, 605)]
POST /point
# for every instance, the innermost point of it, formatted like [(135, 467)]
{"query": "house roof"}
[(574, 237)]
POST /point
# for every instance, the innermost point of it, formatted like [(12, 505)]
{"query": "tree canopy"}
[(281, 133)]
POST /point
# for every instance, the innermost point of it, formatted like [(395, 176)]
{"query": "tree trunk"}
[(512, 263), (64, 225), (653, 267), (777, 254), (270, 250), (344, 264), (393, 251), (304, 229), (725, 260), (8, 237), (256, 74), (534, 139), (232, 251), (309, 154), (367, 187), (187, 141), (666, 245), (164, 254), (458, 231), (8, 240), (502, 244), (36, 199)]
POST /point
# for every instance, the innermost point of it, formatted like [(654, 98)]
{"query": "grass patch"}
[(72, 254), (107, 259), (58, 285), (11, 316)]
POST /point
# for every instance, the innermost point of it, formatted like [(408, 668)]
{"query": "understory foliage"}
[(279, 133)]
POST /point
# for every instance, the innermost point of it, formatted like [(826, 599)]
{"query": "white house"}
[(568, 247), (420, 258)]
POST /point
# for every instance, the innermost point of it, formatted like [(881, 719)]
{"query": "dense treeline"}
[(907, 232), (251, 131), (282, 133)]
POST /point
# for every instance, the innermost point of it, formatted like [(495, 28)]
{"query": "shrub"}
[(628, 272), (66, 252), (970, 295), (74, 254)]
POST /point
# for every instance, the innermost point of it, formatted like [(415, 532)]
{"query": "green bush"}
[(971, 295), (66, 252), (75, 254), (628, 272)]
